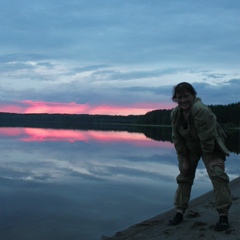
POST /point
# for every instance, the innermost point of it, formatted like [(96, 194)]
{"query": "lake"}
[(74, 184)]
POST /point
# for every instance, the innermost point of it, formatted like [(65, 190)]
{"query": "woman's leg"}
[(185, 182), (215, 165), (183, 192)]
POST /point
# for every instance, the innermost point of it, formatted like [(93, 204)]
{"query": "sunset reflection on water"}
[(58, 135), (85, 179)]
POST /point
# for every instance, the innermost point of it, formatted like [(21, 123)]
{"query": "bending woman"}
[(196, 134)]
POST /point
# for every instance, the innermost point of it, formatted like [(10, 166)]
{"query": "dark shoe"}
[(222, 224), (176, 220)]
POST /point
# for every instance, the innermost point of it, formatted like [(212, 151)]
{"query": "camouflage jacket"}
[(202, 127)]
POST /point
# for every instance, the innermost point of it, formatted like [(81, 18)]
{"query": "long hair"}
[(181, 88)]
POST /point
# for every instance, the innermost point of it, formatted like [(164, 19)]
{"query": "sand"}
[(199, 222)]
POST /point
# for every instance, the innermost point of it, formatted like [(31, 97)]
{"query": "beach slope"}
[(199, 222)]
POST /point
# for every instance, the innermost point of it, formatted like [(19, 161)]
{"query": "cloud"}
[(14, 57), (76, 108), (134, 75), (118, 52), (104, 91), (222, 93), (89, 68), (123, 32)]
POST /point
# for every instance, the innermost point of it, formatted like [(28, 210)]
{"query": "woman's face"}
[(185, 100)]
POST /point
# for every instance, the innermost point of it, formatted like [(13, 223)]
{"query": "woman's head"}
[(184, 94), (181, 89)]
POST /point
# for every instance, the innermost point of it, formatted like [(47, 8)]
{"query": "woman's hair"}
[(181, 88)]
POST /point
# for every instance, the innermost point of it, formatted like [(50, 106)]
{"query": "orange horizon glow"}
[(60, 135), (29, 106)]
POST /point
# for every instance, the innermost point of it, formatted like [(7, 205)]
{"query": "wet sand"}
[(199, 222)]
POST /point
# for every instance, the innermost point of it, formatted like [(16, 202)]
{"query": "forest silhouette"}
[(154, 124)]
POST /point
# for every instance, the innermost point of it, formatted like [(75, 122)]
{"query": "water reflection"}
[(53, 135), (94, 154), (72, 184)]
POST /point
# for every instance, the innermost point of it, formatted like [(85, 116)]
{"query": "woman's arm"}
[(205, 123)]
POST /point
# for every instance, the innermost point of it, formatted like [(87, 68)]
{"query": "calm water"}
[(69, 184)]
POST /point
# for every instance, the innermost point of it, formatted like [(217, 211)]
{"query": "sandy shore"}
[(199, 222)]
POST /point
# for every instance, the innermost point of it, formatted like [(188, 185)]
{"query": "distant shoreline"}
[(154, 125)]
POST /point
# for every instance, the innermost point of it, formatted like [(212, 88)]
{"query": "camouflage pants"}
[(217, 176)]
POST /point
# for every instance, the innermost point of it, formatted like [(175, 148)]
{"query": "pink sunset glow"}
[(52, 135), (76, 108), (11, 108)]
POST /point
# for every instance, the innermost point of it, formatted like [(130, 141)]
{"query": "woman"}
[(196, 134)]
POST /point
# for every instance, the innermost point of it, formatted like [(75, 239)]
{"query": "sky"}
[(116, 57)]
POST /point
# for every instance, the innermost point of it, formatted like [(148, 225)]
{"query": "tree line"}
[(149, 124), (64, 121), (227, 115)]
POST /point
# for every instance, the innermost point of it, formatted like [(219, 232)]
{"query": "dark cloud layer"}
[(118, 52)]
